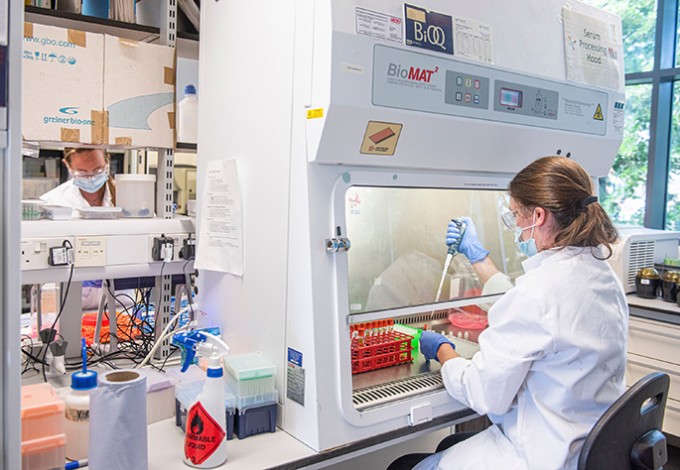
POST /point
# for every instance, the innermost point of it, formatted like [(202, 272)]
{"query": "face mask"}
[(91, 185), (527, 247)]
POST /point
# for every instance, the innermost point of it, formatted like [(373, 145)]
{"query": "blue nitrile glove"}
[(470, 246), (430, 343)]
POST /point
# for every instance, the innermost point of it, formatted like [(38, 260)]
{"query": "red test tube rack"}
[(376, 345)]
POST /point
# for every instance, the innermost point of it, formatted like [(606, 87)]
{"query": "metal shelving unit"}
[(186, 43), (187, 47), (10, 215)]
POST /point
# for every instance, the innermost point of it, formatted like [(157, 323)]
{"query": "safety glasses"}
[(90, 174), (509, 219)]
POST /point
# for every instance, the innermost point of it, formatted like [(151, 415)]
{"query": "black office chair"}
[(628, 436)]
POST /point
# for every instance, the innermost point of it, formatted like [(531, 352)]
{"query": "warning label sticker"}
[(598, 113), (204, 435), (380, 138)]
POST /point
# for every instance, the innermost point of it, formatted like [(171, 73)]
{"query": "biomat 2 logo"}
[(411, 73), (67, 115)]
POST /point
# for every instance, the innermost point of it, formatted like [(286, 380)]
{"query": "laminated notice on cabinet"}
[(220, 237), (593, 50), (473, 40), (378, 25)]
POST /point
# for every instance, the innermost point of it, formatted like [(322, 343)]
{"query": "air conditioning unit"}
[(638, 248)]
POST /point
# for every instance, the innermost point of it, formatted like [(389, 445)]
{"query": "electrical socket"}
[(90, 251), (177, 241), (188, 249), (35, 252)]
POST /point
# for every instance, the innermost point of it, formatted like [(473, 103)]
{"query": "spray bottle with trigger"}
[(205, 443), (450, 254)]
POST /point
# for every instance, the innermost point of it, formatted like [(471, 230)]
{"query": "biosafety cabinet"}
[(358, 129)]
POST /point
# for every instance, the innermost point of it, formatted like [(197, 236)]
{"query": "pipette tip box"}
[(252, 378), (43, 442)]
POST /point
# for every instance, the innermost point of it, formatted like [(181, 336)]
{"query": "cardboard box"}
[(62, 85), (139, 93)]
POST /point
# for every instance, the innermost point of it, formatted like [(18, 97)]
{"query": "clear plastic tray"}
[(56, 212), (250, 375), (244, 403), (186, 393), (100, 212), (249, 366)]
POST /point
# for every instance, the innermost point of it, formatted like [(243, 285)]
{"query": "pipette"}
[(450, 254)]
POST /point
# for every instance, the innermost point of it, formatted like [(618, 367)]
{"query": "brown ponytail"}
[(112, 190), (562, 186)]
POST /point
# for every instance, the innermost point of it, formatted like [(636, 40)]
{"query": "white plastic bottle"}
[(187, 126), (205, 444), (77, 411)]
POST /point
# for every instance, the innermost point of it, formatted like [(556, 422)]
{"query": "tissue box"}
[(139, 93), (62, 85)]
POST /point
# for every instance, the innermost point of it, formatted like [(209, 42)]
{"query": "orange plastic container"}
[(47, 452), (126, 329), (42, 412)]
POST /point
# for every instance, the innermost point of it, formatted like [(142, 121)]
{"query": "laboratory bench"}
[(654, 345), (279, 449)]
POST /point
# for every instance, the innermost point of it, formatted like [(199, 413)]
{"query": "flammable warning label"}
[(204, 435)]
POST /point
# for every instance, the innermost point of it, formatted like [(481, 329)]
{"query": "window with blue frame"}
[(643, 186)]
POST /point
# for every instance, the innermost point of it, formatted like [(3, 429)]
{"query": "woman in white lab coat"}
[(90, 183), (553, 357)]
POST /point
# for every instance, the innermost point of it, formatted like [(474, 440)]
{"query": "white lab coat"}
[(68, 194), (549, 365)]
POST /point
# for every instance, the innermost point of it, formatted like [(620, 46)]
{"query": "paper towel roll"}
[(118, 422)]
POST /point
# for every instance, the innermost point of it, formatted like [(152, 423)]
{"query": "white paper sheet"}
[(220, 237), (593, 50), (473, 40)]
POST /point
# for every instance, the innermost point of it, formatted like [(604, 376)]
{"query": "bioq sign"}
[(430, 34)]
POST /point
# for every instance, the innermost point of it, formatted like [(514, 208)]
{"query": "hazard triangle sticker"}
[(598, 114), (203, 435)]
